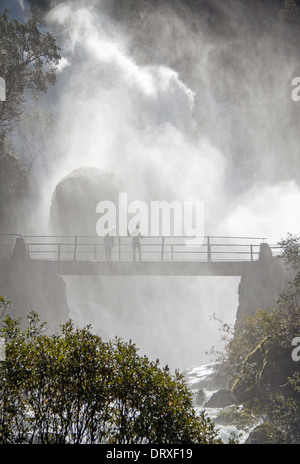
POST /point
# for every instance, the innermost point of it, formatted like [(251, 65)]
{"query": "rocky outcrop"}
[(219, 399), (247, 384), (265, 370), (30, 289), (266, 433), (244, 402), (238, 416), (261, 285)]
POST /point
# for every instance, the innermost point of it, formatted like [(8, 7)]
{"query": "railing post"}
[(75, 248), (119, 248), (172, 252), (58, 251), (251, 252), (208, 250), (95, 251), (162, 248)]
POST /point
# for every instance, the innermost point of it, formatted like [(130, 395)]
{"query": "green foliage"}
[(13, 178), (290, 251), (284, 411), (280, 324), (42, 5), (290, 12), (13, 183), (34, 129), (74, 388), (266, 337), (27, 63), (4, 303)]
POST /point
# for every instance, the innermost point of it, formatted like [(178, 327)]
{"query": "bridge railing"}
[(172, 249)]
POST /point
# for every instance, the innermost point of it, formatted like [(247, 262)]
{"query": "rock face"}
[(265, 434), (220, 399), (265, 370), (269, 370), (246, 385), (27, 288), (260, 286), (74, 201)]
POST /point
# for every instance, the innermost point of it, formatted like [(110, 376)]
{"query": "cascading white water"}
[(137, 122), (140, 120), (205, 131)]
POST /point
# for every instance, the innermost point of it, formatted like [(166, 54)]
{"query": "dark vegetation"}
[(258, 363), (73, 387), (28, 58)]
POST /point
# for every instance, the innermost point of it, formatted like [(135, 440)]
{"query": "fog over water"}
[(175, 109)]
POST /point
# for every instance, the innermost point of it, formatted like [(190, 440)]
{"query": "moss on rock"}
[(266, 433), (239, 416)]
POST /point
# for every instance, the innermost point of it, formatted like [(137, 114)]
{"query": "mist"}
[(174, 109), (221, 133)]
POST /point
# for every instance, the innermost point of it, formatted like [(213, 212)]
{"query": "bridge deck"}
[(218, 256), (147, 268)]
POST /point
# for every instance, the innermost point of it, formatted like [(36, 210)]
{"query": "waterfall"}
[(171, 110)]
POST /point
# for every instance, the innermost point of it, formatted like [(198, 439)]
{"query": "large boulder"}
[(76, 196)]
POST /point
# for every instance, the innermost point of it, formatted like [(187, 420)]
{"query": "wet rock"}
[(266, 433), (20, 251), (265, 370), (219, 399), (238, 416), (30, 286), (199, 397), (261, 284), (74, 201)]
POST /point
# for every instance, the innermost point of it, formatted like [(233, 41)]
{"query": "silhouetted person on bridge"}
[(108, 243), (136, 242)]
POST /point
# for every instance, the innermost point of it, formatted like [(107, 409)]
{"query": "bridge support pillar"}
[(261, 285), (20, 250)]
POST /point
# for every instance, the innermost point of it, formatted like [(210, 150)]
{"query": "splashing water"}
[(174, 114)]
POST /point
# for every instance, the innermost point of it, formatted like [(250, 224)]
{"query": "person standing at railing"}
[(109, 244), (136, 242)]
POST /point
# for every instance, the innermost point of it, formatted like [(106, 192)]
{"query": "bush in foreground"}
[(74, 388)]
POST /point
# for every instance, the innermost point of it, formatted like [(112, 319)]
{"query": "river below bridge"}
[(199, 381)]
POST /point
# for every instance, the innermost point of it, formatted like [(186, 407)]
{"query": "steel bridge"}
[(87, 255)]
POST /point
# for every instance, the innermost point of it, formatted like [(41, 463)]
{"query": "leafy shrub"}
[(74, 388)]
